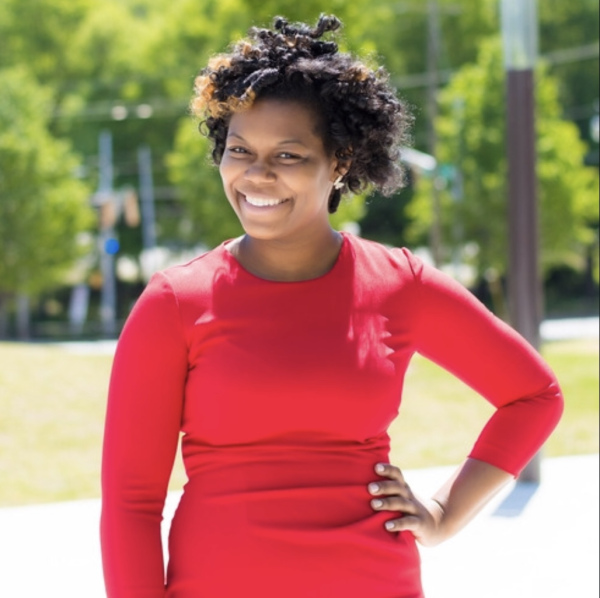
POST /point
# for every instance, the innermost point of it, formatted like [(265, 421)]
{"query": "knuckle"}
[(394, 471), (389, 487), (408, 522)]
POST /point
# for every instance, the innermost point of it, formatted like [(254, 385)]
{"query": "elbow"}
[(555, 403), (142, 501)]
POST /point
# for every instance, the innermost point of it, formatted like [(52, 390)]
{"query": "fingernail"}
[(389, 525), (373, 488), (377, 503), (380, 468)]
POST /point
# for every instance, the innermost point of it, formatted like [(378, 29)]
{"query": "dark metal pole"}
[(524, 288), (524, 282), (519, 18)]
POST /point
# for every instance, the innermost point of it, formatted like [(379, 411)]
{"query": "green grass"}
[(52, 405), (52, 408)]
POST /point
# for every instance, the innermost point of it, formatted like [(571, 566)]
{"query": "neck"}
[(287, 261)]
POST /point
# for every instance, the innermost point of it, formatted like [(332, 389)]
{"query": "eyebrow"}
[(282, 142)]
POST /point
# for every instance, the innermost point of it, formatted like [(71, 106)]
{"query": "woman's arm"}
[(140, 441), (453, 329)]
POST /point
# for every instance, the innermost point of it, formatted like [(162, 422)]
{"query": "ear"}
[(342, 170), (344, 161), (338, 171)]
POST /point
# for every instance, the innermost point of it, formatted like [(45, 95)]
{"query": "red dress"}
[(284, 392)]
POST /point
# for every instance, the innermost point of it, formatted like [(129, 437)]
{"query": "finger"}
[(407, 523), (389, 488), (389, 471), (395, 503)]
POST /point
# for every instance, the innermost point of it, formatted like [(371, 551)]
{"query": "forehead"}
[(277, 120)]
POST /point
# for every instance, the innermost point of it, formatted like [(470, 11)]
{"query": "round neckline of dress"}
[(330, 272)]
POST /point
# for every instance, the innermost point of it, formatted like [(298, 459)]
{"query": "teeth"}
[(255, 201)]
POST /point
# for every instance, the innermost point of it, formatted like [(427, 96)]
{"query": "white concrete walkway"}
[(532, 542)]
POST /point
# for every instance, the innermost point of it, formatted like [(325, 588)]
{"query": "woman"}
[(280, 356)]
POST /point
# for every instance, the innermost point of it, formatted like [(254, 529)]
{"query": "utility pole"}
[(148, 257), (520, 34), (432, 79), (147, 197), (457, 187), (105, 200), (433, 54)]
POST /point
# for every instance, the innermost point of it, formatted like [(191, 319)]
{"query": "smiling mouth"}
[(261, 202)]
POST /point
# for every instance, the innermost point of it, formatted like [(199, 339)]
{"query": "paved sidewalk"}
[(531, 542), (567, 328)]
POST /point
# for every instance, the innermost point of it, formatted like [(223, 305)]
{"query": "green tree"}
[(472, 143), (96, 55), (573, 26), (398, 33), (43, 206), (40, 33)]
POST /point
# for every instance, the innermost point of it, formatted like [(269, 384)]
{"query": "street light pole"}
[(520, 35), (108, 297), (433, 53), (147, 197)]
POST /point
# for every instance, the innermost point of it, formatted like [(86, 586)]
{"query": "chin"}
[(261, 233)]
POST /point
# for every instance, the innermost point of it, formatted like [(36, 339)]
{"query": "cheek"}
[(227, 179), (223, 169), (227, 172)]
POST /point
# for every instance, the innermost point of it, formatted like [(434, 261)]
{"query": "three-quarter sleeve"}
[(454, 330), (140, 441)]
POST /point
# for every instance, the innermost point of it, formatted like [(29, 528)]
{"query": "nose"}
[(260, 171)]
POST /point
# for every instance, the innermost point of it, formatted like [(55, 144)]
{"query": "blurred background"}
[(104, 179)]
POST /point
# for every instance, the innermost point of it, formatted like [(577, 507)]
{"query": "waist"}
[(280, 467), (296, 517)]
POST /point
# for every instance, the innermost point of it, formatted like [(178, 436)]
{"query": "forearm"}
[(459, 500), (132, 555)]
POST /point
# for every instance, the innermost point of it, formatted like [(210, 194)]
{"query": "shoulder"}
[(192, 276), (185, 289), (384, 260)]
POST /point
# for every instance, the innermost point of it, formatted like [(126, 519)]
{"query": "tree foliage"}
[(472, 143), (573, 26), (94, 56), (43, 206)]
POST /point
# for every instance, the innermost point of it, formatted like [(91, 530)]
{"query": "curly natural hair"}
[(362, 121)]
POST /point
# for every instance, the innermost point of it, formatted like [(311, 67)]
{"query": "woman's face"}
[(276, 173)]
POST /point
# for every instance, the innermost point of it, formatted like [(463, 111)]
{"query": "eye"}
[(289, 157), (237, 150)]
